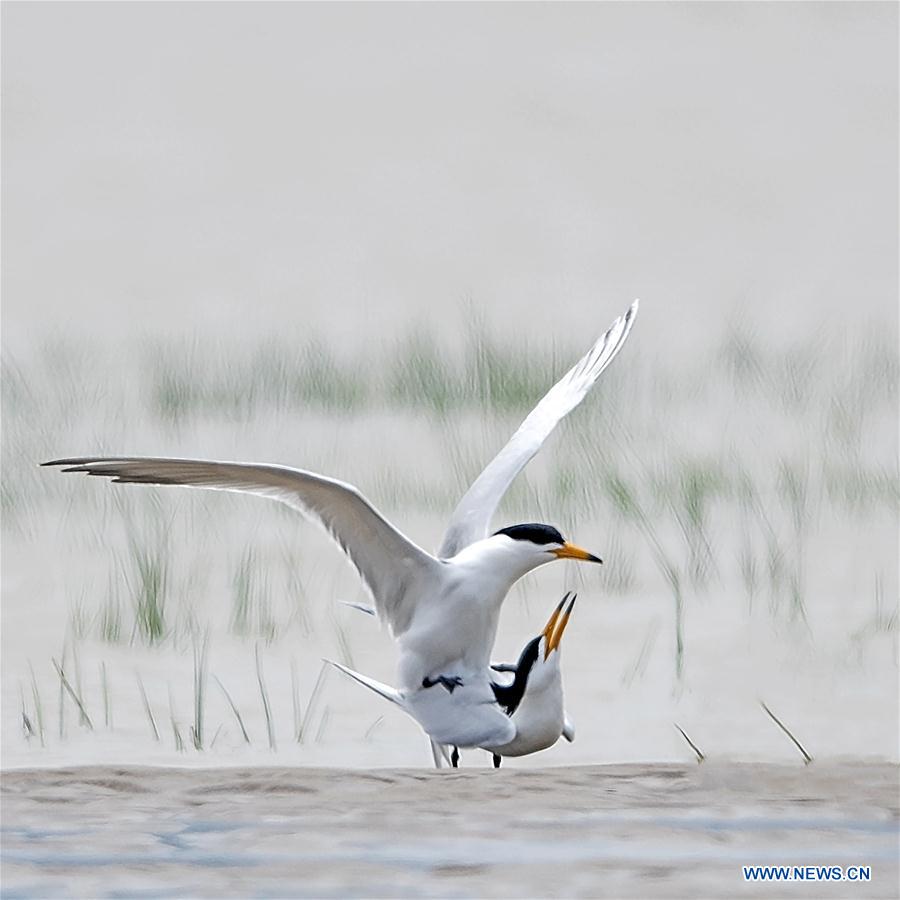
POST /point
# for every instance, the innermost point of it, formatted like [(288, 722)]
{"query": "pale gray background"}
[(345, 167)]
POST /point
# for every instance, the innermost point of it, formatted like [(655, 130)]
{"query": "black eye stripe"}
[(534, 532)]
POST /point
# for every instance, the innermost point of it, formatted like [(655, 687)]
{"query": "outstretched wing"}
[(472, 517), (394, 569)]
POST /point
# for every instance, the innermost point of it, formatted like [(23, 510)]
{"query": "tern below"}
[(442, 610)]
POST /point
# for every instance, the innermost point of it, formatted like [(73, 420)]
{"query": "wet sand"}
[(587, 831)]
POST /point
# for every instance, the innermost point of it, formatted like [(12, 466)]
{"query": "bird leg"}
[(450, 684), (454, 758), (497, 761)]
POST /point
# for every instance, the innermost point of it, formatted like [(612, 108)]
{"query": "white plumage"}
[(517, 718)]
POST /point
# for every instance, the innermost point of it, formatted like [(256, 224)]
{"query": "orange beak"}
[(553, 630), (551, 622), (570, 551)]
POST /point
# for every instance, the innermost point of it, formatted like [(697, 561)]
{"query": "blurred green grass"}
[(717, 469)]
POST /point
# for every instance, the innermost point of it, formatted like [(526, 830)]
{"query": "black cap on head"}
[(531, 531)]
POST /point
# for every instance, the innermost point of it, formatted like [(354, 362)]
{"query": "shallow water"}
[(588, 831)]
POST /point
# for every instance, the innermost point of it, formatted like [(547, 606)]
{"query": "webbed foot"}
[(450, 684)]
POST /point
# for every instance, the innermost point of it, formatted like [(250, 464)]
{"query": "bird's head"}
[(544, 650), (537, 668), (512, 552), (535, 544)]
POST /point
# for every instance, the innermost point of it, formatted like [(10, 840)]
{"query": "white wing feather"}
[(395, 571), (471, 519)]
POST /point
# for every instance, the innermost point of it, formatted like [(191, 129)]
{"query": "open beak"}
[(558, 623), (570, 551), (551, 622)]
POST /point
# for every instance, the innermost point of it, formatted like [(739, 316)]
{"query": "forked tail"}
[(383, 690)]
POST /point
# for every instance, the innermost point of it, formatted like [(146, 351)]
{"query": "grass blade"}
[(200, 653), (85, 718), (176, 733), (691, 744), (62, 697), (27, 726), (311, 705), (371, 729), (807, 759), (147, 708), (323, 722), (295, 702), (38, 707), (234, 709), (212, 743), (107, 705), (267, 709)]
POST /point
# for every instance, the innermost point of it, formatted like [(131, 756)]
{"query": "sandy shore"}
[(597, 831)]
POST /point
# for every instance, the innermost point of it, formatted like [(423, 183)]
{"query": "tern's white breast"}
[(452, 631), (539, 718)]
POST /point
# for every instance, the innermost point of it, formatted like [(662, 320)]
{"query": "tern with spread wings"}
[(442, 610)]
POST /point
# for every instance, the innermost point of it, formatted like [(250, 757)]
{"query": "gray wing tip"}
[(631, 312), (623, 325), (608, 345), (114, 468), (80, 463)]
